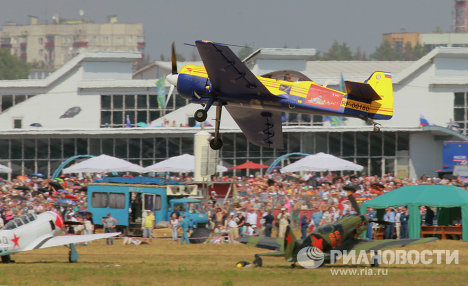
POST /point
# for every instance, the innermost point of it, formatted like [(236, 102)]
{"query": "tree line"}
[(342, 52)]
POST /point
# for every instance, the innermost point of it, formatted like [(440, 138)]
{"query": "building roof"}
[(282, 54), (76, 61), (330, 71), (446, 52)]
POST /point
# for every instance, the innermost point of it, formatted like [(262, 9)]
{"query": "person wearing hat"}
[(148, 226), (283, 222)]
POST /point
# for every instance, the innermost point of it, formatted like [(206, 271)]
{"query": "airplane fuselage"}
[(300, 97), (334, 235), (26, 232)]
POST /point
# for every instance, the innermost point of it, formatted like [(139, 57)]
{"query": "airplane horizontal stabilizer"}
[(270, 243), (276, 253), (361, 90)]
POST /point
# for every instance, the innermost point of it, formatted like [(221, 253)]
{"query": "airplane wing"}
[(227, 73), (51, 241), (389, 243), (270, 243), (262, 128)]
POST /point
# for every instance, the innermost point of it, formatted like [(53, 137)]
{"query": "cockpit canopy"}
[(19, 221), (288, 75)]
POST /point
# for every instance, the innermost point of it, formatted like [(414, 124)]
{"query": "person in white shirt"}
[(398, 222), (233, 228), (251, 217), (174, 226)]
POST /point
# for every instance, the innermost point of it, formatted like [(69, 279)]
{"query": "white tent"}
[(322, 162), (4, 169), (179, 164), (103, 163)]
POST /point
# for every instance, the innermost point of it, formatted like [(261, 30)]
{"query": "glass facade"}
[(460, 112), (379, 153), (119, 109)]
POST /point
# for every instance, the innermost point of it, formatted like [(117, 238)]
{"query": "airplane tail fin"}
[(289, 244), (382, 108)]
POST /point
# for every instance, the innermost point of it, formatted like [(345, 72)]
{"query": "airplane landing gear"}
[(7, 259), (200, 115), (72, 253), (216, 143), (376, 125), (375, 261)]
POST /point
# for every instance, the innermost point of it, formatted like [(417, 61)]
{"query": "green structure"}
[(442, 196)]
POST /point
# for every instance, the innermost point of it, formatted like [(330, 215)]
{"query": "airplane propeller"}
[(172, 78), (173, 59), (351, 190)]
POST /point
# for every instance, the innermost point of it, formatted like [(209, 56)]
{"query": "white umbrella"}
[(179, 164), (4, 169), (322, 162), (103, 163)]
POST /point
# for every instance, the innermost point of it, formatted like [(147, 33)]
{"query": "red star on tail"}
[(15, 240), (317, 242)]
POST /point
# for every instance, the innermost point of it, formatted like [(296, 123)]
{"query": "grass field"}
[(167, 263)]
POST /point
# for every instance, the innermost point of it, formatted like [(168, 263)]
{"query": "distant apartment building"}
[(429, 40), (52, 45)]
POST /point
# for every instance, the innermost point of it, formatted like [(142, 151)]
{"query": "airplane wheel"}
[(200, 115), (216, 143), (7, 259), (374, 261), (199, 235)]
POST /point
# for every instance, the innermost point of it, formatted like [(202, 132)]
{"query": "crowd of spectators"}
[(35, 194), (263, 204), (308, 201)]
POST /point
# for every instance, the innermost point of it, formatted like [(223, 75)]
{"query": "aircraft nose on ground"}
[(172, 79)]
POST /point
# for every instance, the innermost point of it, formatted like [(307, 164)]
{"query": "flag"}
[(161, 83), (128, 124), (161, 92), (423, 121), (342, 86), (335, 120)]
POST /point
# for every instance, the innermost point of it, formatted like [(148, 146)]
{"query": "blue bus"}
[(126, 199)]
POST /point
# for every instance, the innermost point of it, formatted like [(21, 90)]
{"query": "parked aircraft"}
[(30, 231), (342, 235)]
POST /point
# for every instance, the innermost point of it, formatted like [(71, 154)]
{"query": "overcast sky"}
[(262, 23)]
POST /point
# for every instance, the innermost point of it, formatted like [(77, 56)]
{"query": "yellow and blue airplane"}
[(256, 103)]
